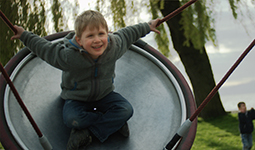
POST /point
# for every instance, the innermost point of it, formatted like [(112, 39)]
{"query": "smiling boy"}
[(94, 41), (87, 59), (93, 35)]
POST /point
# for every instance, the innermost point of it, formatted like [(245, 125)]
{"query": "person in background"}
[(246, 125)]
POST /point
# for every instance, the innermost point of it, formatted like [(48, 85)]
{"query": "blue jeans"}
[(247, 141), (102, 118)]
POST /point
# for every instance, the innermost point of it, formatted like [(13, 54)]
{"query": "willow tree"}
[(34, 15), (189, 31)]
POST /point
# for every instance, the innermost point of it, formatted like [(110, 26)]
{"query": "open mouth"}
[(97, 47)]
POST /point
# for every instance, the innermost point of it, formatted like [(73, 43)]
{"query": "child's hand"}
[(20, 30), (153, 24)]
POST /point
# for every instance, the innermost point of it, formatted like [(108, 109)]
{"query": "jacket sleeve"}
[(253, 114), (130, 34), (52, 53)]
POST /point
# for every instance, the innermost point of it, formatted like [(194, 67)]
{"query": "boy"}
[(87, 59), (246, 125)]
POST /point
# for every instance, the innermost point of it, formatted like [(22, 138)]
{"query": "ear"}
[(78, 40)]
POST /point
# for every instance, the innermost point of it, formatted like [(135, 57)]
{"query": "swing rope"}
[(43, 140), (8, 23), (185, 126), (215, 89), (177, 11)]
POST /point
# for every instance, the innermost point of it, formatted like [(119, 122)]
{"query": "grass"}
[(1, 147), (221, 133)]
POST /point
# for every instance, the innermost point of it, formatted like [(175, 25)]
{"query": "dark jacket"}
[(83, 78), (245, 121)]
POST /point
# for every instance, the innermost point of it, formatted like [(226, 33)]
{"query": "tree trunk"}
[(196, 63)]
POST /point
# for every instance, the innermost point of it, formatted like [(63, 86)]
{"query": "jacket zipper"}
[(96, 86), (94, 82)]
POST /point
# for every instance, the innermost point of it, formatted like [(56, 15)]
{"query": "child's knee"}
[(131, 111), (128, 111)]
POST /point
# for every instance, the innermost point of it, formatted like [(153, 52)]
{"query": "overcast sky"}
[(233, 36)]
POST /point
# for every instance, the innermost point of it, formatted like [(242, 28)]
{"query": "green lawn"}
[(1, 147), (221, 133), (217, 134)]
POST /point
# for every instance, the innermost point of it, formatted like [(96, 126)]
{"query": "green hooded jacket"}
[(83, 78)]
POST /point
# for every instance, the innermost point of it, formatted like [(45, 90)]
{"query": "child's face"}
[(242, 108), (94, 41)]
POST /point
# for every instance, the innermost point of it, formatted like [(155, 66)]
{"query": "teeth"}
[(97, 47)]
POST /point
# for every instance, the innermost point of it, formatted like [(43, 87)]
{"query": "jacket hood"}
[(70, 39)]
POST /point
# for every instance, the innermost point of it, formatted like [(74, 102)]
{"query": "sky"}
[(233, 37)]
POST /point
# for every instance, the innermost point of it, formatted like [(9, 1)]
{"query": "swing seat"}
[(159, 94)]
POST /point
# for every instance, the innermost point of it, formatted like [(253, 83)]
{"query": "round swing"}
[(161, 98)]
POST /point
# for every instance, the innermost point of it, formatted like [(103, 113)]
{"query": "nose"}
[(96, 39)]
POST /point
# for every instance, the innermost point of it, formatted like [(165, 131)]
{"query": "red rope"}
[(22, 105), (215, 89), (16, 94), (177, 11), (9, 24)]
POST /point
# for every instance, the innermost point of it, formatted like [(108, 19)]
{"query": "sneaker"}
[(124, 130), (78, 138)]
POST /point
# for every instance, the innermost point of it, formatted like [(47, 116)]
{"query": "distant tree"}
[(189, 31), (35, 16)]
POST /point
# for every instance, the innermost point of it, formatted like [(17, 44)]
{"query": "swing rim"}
[(8, 141)]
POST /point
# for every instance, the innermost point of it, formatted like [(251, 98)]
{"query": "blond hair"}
[(90, 18)]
